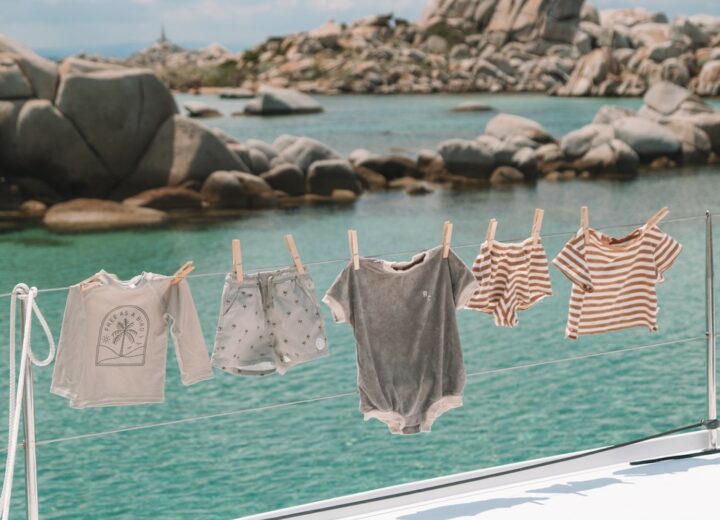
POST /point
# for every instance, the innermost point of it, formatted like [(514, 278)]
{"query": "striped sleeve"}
[(666, 252), (571, 262)]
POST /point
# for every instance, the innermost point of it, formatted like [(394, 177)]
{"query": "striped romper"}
[(614, 279), (513, 277)]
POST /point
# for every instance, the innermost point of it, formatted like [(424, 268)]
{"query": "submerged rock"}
[(200, 109), (80, 215), (167, 198), (471, 106)]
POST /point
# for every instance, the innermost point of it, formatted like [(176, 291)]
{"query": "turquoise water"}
[(238, 464), (406, 124)]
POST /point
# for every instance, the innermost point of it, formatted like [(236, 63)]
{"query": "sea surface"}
[(519, 402)]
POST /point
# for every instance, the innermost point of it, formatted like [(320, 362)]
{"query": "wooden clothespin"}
[(181, 273), (353, 241), (537, 225), (89, 283), (490, 235), (290, 241), (237, 261), (656, 218), (585, 221), (447, 237)]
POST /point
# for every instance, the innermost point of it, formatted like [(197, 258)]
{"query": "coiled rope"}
[(16, 387)]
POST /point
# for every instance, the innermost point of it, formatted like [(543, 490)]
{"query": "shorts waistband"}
[(276, 276)]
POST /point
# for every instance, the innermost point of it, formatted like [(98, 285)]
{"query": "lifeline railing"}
[(28, 406)]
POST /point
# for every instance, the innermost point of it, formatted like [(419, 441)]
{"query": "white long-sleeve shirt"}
[(113, 343)]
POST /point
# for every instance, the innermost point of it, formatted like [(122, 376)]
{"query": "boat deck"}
[(668, 489), (603, 485)]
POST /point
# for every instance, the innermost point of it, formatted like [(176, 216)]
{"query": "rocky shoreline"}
[(92, 146), (561, 47)]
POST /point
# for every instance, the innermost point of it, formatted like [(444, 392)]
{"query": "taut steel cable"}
[(395, 253)]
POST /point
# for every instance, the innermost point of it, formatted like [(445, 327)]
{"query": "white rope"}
[(394, 253), (286, 404), (16, 388)]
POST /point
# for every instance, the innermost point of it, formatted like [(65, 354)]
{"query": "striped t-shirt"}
[(614, 279)]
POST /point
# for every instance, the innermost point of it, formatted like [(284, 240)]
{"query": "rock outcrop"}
[(563, 47)]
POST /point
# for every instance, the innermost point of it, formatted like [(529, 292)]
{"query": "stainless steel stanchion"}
[(711, 346)]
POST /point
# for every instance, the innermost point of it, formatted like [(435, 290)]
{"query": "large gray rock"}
[(182, 150), (710, 124), (503, 126), (610, 157), (709, 78), (627, 160), (471, 159), (117, 112), (236, 190), (630, 17), (9, 113), (305, 151), (329, 175), (75, 65), (648, 138), (284, 141), (609, 113), (578, 142), (264, 147), (99, 215), (49, 147), (505, 20), (696, 146), (327, 34), (666, 99), (287, 178), (280, 101), (589, 72), (40, 72), (13, 83)]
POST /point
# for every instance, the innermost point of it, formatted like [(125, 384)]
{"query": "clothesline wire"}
[(186, 420), (394, 253)]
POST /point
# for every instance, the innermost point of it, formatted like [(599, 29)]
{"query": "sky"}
[(121, 26)]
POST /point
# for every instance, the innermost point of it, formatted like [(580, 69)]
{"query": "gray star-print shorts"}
[(269, 322)]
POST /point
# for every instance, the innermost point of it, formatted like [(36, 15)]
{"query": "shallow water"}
[(238, 464)]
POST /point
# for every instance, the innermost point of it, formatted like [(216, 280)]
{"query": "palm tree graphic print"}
[(123, 337), (124, 331)]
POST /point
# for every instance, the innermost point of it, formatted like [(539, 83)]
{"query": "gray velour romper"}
[(409, 358)]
